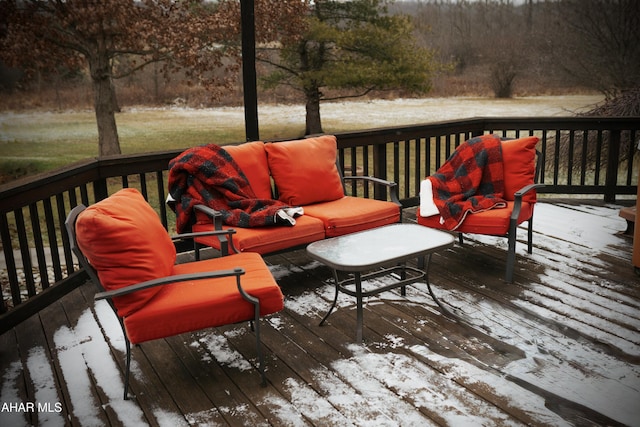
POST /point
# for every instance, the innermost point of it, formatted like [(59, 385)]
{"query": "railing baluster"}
[(543, 149), (62, 215), (631, 149), (53, 243), (25, 255), (428, 155), (39, 243), (366, 169), (10, 262), (396, 162), (583, 159), (438, 150), (556, 157), (598, 160), (354, 171), (613, 155), (417, 165), (162, 197), (570, 149)]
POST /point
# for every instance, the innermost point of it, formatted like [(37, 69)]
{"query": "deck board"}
[(559, 346)]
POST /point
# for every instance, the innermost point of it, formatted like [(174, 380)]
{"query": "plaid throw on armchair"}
[(471, 180)]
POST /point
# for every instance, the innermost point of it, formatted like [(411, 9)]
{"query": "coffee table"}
[(378, 252)]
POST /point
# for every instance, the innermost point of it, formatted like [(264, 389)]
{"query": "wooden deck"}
[(560, 346)]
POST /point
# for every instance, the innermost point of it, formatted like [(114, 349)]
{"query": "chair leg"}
[(530, 236), (460, 238), (127, 343), (256, 325), (511, 258), (127, 369)]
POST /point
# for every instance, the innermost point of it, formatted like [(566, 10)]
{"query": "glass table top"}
[(379, 246)]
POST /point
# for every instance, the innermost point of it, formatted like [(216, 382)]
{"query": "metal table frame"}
[(382, 251)]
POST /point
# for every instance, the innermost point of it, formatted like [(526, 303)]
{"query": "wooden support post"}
[(249, 79)]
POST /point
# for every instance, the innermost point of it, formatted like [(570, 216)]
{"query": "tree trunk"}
[(104, 104), (313, 122)]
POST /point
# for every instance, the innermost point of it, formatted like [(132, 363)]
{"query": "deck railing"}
[(583, 156)]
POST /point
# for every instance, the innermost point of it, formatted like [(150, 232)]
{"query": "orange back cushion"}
[(252, 159), (124, 240), (305, 170), (518, 158)]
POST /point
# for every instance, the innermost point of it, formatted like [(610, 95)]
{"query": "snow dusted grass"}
[(394, 379), (54, 139)]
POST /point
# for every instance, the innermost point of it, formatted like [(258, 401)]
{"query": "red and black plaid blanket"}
[(208, 175), (471, 180)]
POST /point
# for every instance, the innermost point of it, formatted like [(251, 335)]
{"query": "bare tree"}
[(113, 38), (601, 48), (488, 37)]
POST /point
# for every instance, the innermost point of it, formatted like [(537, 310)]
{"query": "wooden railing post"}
[(100, 190), (380, 170)]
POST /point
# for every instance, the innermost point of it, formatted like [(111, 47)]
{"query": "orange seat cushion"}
[(518, 158), (252, 159), (350, 214), (264, 240), (493, 222), (124, 240), (305, 170), (198, 304)]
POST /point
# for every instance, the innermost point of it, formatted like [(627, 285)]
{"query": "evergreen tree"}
[(354, 47)]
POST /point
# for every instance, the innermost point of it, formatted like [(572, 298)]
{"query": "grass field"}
[(37, 141)]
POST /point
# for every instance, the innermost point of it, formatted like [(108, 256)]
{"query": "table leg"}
[(359, 316), (335, 298), (443, 309)]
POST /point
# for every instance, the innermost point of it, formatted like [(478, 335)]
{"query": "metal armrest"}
[(216, 218), (518, 199), (526, 189), (185, 236), (214, 214), (393, 187), (170, 279)]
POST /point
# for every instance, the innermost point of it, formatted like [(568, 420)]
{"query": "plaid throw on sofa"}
[(471, 180), (208, 175)]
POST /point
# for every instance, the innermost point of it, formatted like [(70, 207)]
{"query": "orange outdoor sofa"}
[(300, 173)]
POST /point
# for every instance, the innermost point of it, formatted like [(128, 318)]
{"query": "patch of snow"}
[(45, 390), (85, 358), (9, 395), (217, 348)]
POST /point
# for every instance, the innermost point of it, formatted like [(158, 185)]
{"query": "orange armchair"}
[(522, 165), (129, 256)]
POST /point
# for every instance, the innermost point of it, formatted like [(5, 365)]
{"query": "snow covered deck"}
[(559, 346)]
